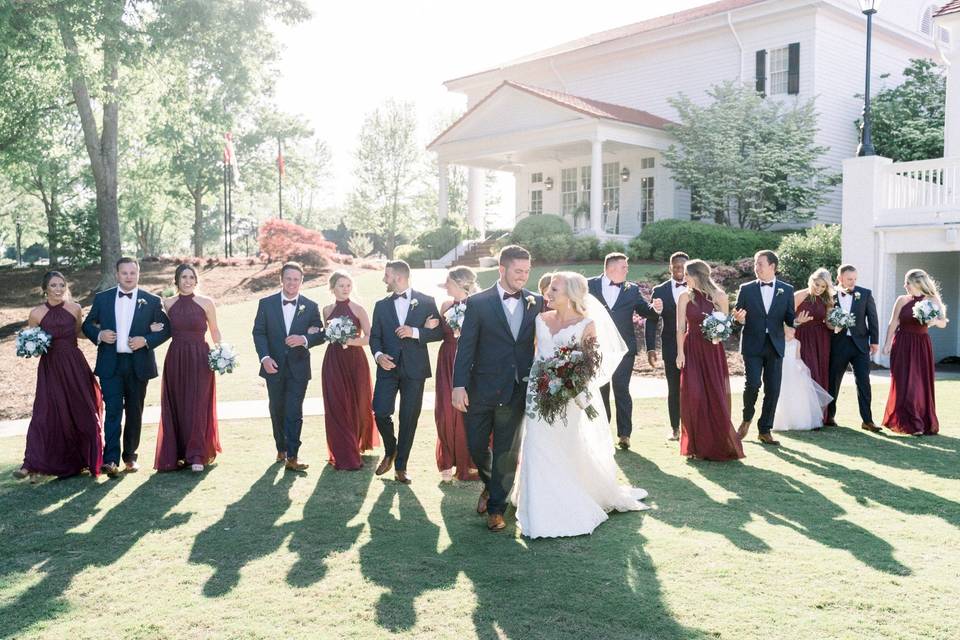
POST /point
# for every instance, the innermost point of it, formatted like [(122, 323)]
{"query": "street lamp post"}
[(868, 7)]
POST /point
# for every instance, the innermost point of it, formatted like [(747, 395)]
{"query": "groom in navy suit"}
[(764, 307), (621, 298), (494, 356), (119, 324), (285, 328), (669, 292), (402, 325)]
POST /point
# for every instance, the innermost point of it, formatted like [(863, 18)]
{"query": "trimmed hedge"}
[(413, 255), (437, 242), (547, 237), (803, 253), (700, 240)]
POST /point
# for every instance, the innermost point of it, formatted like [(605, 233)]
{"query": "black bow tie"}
[(126, 295), (289, 302), (619, 285), (844, 294), (515, 295), (399, 295), (677, 285), (766, 284)]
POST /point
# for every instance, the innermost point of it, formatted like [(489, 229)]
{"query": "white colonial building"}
[(581, 126)]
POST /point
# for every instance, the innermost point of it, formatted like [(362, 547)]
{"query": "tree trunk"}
[(197, 221), (51, 208)]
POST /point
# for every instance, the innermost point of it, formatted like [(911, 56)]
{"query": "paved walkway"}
[(246, 409)]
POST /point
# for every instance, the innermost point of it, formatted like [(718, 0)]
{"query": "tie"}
[(126, 295), (399, 295), (515, 295), (677, 285), (289, 302), (766, 284), (618, 285), (846, 293)]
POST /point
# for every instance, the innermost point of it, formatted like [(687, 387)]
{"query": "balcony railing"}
[(923, 186)]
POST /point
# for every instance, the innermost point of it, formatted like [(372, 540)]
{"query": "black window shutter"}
[(793, 69), (762, 72)]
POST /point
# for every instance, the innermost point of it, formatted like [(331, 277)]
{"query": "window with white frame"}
[(611, 193), (647, 163), (779, 70), (646, 201), (536, 202), (536, 178), (585, 185), (928, 28), (568, 191)]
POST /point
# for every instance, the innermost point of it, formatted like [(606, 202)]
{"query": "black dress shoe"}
[(829, 422)]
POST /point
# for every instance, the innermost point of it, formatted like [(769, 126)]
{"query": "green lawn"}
[(638, 272), (839, 534)]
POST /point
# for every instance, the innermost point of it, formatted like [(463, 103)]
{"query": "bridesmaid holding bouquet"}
[(188, 434)]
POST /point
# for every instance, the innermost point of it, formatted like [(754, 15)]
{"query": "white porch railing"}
[(923, 186)]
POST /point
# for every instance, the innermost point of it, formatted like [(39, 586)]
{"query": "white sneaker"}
[(196, 468)]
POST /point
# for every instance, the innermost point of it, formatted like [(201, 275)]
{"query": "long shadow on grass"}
[(246, 532), (324, 529), (936, 455), (62, 554)]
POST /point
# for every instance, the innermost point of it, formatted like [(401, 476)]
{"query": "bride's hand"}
[(681, 359)]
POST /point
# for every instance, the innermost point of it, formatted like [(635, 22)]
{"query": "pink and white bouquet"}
[(565, 377)]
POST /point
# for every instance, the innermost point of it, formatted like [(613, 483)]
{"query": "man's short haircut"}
[(399, 267), (613, 257), (295, 266), (126, 260), (679, 255), (512, 252), (771, 257), (844, 268)]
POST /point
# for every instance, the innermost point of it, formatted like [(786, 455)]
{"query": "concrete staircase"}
[(479, 250)]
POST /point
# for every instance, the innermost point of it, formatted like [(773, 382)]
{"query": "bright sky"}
[(351, 56)]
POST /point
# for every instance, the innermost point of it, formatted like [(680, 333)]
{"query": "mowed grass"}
[(839, 534)]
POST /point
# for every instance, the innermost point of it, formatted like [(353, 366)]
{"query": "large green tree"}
[(748, 160)]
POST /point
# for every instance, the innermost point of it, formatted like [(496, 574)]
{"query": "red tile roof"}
[(951, 7), (681, 17), (586, 106)]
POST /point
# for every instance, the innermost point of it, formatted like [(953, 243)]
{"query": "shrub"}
[(414, 255), (803, 253), (437, 242), (639, 249), (585, 249), (533, 227), (551, 249), (610, 246), (284, 240), (704, 241)]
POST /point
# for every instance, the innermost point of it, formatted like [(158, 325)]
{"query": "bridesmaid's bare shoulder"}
[(74, 308), (37, 313), (206, 302)]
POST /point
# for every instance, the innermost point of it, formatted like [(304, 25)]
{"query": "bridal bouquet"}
[(454, 316), (222, 358), (555, 381), (33, 342), (342, 329), (840, 319), (926, 311), (717, 327)]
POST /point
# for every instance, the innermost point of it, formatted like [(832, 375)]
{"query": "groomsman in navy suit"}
[(621, 298), (402, 325), (119, 324), (854, 346), (669, 293), (284, 330), (764, 307)]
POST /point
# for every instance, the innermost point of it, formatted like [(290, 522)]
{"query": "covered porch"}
[(594, 163)]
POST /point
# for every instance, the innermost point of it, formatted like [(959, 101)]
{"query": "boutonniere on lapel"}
[(627, 285), (301, 308), (779, 290), (856, 295), (531, 300), (414, 303), (141, 302)]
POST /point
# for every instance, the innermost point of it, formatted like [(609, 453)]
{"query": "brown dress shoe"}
[(624, 443), (386, 464), (743, 429), (482, 502), (281, 456), (293, 465), (401, 477), (872, 428), (495, 522), (766, 438)]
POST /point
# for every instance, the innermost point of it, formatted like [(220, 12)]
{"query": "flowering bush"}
[(284, 240)]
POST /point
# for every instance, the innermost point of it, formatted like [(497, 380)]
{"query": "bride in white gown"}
[(567, 478)]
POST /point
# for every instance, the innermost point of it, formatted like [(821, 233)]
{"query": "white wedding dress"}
[(567, 478), (801, 403)]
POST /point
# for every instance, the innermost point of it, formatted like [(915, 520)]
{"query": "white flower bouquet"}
[(454, 316), (33, 342), (223, 359), (341, 329), (926, 311), (840, 320), (717, 327)]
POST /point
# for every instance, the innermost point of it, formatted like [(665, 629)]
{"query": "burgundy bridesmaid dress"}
[(452, 449), (911, 406), (706, 429), (814, 336), (188, 392), (347, 399), (65, 435)]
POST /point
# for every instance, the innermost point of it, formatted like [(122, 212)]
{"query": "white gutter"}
[(739, 43)]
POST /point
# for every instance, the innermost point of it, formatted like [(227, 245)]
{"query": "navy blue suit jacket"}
[(760, 322), (409, 354), (629, 301), (867, 330), (668, 331), (489, 361), (102, 317), (270, 334)]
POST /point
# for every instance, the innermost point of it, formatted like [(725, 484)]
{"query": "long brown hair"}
[(699, 272)]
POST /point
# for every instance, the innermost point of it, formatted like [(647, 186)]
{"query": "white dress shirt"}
[(509, 303), (123, 309), (610, 291), (846, 303), (677, 291), (767, 293), (289, 311), (401, 304)]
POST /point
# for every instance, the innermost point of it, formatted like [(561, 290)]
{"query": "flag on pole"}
[(230, 156), (281, 166)]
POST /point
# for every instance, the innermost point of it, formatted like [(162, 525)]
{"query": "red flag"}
[(280, 164), (229, 156)]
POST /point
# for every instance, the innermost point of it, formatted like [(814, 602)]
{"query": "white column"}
[(863, 187), (596, 188), (475, 199), (443, 193), (951, 129)]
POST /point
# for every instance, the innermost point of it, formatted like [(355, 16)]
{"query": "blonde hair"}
[(922, 281), (575, 286), (465, 277), (823, 275), (544, 283), (699, 271), (336, 277)]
